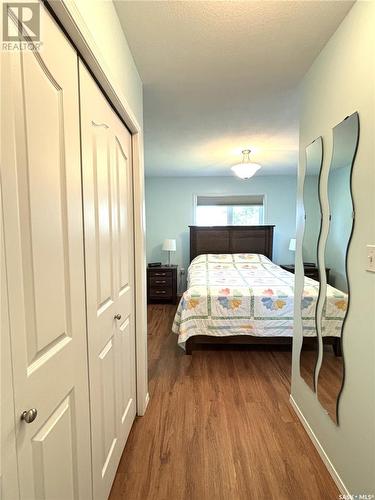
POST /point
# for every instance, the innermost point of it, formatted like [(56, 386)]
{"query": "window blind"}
[(234, 200)]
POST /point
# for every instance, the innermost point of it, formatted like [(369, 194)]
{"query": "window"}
[(245, 210)]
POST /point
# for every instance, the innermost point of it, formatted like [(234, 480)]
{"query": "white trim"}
[(327, 462), (147, 399), (9, 479), (140, 274), (265, 209), (70, 18), (195, 201)]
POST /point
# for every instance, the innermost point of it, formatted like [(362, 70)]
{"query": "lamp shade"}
[(292, 245), (169, 245), (245, 170)]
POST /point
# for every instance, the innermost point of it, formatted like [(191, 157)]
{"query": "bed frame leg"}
[(188, 348), (337, 347)]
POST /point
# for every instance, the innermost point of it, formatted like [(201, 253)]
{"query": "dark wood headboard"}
[(231, 239)]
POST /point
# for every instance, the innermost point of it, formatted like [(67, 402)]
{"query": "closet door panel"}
[(107, 188), (127, 386), (44, 250), (124, 281), (123, 216), (107, 391), (56, 435), (103, 216), (46, 237)]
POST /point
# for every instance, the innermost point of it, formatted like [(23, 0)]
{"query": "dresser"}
[(162, 284)]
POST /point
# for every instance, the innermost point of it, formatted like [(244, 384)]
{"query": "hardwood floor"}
[(219, 426)]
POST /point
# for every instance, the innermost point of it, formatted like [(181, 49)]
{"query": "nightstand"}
[(162, 284), (309, 271)]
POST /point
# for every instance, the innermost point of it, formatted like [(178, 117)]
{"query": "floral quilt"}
[(247, 294)]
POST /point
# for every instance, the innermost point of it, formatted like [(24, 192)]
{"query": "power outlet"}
[(370, 258)]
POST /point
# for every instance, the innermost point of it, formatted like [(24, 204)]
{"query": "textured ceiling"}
[(222, 76)]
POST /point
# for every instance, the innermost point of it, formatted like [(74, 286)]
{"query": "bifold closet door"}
[(108, 216), (43, 229)]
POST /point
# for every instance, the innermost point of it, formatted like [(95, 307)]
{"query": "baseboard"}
[(142, 411), (334, 474)]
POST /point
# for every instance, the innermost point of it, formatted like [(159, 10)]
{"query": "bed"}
[(239, 297)]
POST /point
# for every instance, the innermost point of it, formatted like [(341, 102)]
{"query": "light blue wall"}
[(341, 81), (169, 210)]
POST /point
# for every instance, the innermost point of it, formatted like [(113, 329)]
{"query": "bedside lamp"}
[(292, 245), (169, 246)]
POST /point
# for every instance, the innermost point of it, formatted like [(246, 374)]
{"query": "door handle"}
[(117, 316), (29, 415)]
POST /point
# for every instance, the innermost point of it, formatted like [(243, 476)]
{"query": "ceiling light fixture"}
[(246, 168)]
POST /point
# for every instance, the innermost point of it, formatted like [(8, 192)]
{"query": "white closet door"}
[(42, 200), (108, 216)]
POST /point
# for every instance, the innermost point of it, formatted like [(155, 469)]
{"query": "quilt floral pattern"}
[(247, 294)]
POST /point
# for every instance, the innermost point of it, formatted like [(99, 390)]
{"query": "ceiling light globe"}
[(245, 170)]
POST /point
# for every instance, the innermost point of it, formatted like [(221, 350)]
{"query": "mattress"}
[(247, 294)]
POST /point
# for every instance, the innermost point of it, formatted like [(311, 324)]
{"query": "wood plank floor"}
[(219, 426)]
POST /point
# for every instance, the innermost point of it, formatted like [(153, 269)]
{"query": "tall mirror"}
[(336, 301), (311, 201)]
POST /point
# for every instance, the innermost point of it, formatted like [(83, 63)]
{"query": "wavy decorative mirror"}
[(311, 201), (336, 301)]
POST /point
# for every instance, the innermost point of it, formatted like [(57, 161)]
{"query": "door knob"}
[(29, 415), (117, 316)]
